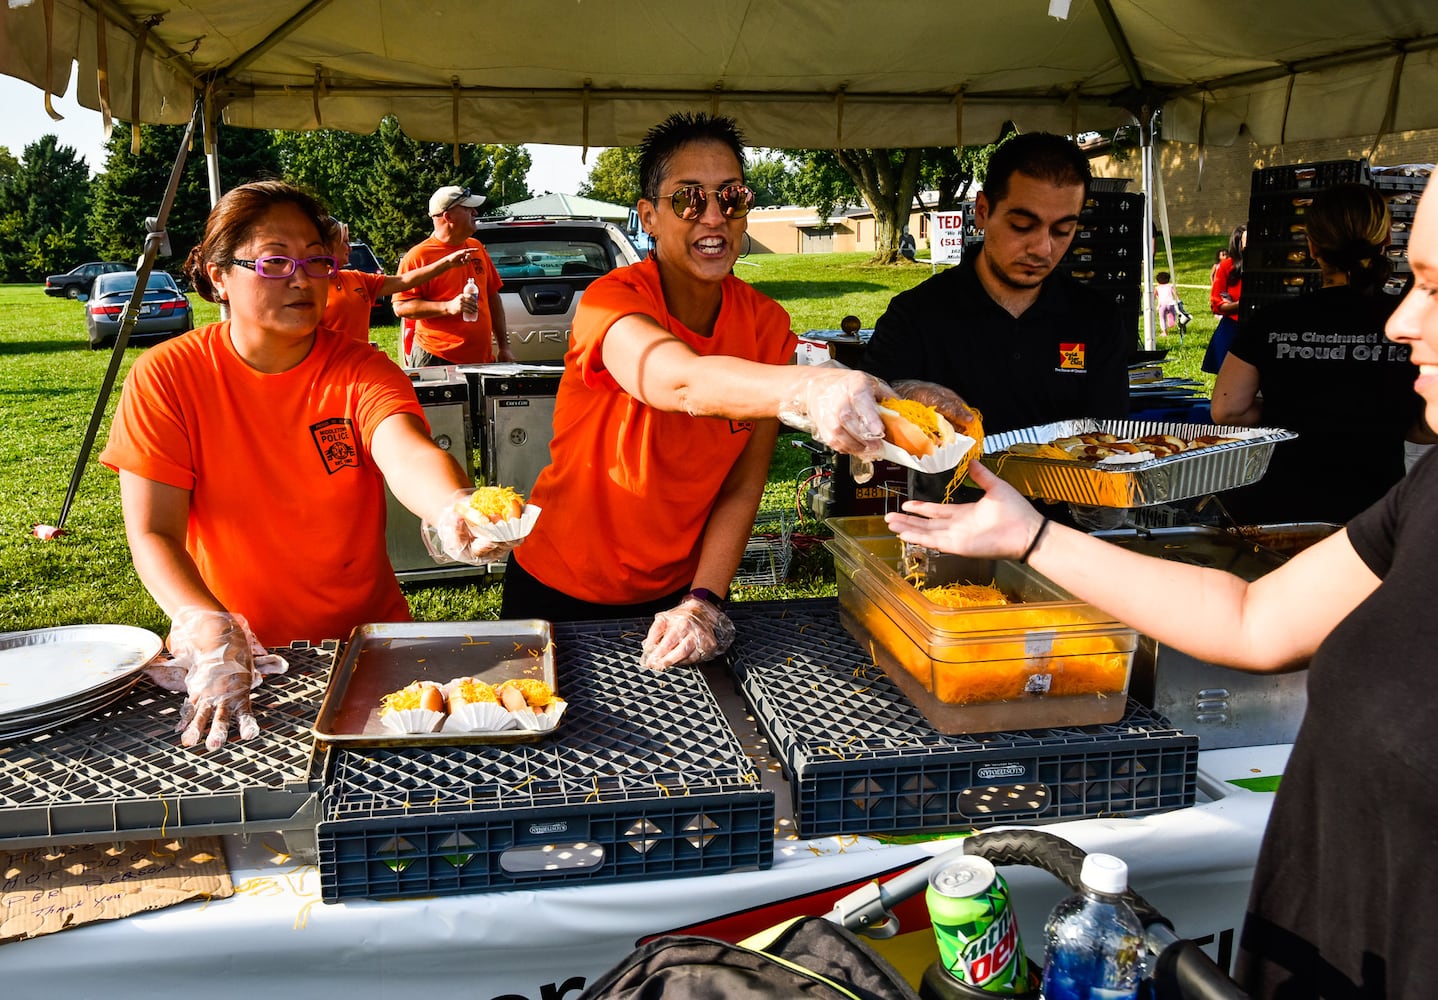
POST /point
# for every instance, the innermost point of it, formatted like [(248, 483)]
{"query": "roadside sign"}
[(946, 237)]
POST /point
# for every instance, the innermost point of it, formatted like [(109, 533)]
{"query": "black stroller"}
[(825, 957)]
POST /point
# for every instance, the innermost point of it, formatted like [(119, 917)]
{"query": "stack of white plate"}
[(51, 676)]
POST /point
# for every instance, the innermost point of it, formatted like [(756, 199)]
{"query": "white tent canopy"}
[(796, 73)]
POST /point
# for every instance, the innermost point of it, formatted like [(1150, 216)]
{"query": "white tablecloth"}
[(275, 938)]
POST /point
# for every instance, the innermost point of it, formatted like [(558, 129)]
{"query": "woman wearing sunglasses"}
[(253, 455), (665, 418)]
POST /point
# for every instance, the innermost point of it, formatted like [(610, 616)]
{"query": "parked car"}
[(164, 311), (75, 283), (546, 263), (362, 258)]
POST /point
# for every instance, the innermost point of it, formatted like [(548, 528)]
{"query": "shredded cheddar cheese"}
[(495, 501), (536, 693), (966, 595), (402, 700), (926, 418), (472, 692)]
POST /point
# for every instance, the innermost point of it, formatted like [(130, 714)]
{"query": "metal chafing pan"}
[(382, 658), (1140, 484)]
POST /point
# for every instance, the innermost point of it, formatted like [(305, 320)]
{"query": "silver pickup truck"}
[(546, 263)]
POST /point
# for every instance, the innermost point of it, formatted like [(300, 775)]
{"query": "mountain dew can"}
[(975, 928)]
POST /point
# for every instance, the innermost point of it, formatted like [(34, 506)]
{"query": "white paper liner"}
[(941, 459), (411, 720), (487, 717), (479, 716), (511, 530)]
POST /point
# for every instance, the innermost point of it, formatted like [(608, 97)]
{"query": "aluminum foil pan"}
[(1141, 484)]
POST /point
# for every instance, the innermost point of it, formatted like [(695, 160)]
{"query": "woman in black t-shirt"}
[(1319, 365)]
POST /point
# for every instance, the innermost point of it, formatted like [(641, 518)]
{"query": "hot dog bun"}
[(914, 427), (496, 504)]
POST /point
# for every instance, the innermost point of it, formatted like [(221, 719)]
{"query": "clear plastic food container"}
[(1046, 660)]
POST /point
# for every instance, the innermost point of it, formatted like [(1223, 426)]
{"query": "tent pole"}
[(1145, 136), (212, 169), (157, 242)]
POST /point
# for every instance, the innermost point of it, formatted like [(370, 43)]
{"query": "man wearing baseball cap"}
[(442, 336)]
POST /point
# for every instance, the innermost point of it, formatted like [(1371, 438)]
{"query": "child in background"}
[(1165, 296)]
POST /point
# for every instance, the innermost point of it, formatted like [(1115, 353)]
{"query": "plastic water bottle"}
[(1093, 941), (471, 301)]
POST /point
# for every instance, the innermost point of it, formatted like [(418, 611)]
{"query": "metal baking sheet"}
[(382, 658), (1142, 484), (47, 667)]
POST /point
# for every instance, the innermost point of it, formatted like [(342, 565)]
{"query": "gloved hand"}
[(691, 632), (941, 398), (217, 647), (839, 407), (454, 537)]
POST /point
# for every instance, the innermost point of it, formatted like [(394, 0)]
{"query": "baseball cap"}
[(448, 197)]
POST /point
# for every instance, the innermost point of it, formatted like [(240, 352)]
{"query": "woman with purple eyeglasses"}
[(253, 455)]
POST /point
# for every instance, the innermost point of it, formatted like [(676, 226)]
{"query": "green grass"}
[(49, 381)]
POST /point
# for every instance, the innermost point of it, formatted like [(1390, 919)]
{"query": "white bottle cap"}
[(1105, 873)]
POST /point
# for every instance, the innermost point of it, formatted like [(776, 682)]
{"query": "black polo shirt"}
[(1066, 356)]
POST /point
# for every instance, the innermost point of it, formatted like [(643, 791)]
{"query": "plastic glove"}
[(839, 407), (941, 398), (169, 672), (692, 632), (452, 538), (221, 674)]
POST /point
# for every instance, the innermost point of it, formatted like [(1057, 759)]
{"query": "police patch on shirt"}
[(1071, 357), (335, 438)]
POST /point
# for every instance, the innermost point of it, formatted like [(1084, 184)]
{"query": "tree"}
[(614, 177), (380, 183), (133, 184), (44, 197), (392, 192), (887, 180), (769, 177)]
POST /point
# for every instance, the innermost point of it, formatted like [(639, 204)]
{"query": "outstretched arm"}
[(402, 282), (1271, 624)]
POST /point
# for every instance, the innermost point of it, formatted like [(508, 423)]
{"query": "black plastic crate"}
[(121, 774), (643, 779), (1310, 176), (860, 758), (1278, 231), (1282, 206), (1277, 257), (1112, 204), (1403, 177)]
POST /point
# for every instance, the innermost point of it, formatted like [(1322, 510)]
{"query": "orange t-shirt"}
[(352, 294), (287, 509), (628, 490), (450, 337)]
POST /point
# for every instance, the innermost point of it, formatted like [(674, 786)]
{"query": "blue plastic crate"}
[(860, 758), (643, 779)]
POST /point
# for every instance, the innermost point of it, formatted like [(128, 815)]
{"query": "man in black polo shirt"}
[(1020, 343)]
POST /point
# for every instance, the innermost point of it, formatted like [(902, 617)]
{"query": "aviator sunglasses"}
[(278, 266), (689, 202)]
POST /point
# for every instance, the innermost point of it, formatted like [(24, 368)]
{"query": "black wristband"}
[(708, 596), (1035, 542)]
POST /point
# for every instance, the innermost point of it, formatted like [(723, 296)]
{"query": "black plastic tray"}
[(643, 779), (860, 758), (122, 774)]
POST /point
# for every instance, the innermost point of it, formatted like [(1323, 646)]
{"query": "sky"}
[(556, 168)]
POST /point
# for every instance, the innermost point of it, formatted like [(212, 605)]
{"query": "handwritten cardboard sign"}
[(48, 889)]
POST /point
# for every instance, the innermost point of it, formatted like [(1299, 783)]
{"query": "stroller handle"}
[(1182, 970)]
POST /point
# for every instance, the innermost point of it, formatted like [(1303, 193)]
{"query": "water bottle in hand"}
[(1093, 940), (471, 301)]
